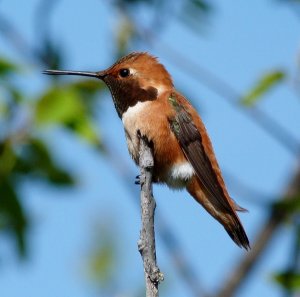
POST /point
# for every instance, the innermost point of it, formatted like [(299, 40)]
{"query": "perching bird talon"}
[(137, 180)]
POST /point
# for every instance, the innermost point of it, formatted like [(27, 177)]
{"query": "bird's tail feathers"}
[(235, 230), (227, 216)]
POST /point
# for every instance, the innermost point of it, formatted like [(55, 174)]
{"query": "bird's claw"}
[(138, 180)]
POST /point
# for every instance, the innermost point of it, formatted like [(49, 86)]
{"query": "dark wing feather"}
[(190, 141)]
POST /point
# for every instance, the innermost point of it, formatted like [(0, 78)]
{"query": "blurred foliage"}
[(70, 106), (194, 14), (7, 67), (20, 160), (125, 33), (263, 86), (23, 152), (50, 54), (102, 262), (289, 206), (289, 280), (12, 217), (67, 105)]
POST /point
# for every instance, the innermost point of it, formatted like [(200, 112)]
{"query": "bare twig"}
[(146, 243), (276, 218)]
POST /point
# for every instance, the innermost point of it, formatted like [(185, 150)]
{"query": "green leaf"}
[(7, 67), (7, 159), (86, 129), (12, 216), (88, 90), (290, 205), (289, 280), (64, 106), (58, 105), (264, 85), (36, 160), (87, 87)]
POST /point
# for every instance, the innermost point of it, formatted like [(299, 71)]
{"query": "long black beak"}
[(99, 74)]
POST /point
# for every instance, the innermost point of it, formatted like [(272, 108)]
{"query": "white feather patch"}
[(182, 171), (180, 174), (132, 112)]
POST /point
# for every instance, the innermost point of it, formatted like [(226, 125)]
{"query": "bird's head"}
[(137, 77)]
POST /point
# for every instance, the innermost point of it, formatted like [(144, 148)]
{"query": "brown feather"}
[(189, 142), (148, 104), (208, 188)]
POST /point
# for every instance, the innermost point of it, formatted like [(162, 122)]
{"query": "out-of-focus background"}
[(69, 209)]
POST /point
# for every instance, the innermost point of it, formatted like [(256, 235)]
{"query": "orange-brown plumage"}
[(149, 105)]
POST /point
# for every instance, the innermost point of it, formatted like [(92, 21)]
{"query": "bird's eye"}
[(124, 72)]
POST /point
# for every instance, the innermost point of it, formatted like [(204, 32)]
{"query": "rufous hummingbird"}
[(149, 105)]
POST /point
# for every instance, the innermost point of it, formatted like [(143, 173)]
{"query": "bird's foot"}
[(137, 180)]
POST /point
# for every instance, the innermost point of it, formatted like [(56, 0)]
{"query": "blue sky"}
[(241, 42)]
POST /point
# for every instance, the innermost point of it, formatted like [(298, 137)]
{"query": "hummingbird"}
[(149, 106)]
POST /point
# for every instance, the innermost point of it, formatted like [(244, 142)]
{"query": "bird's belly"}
[(170, 165), (166, 169)]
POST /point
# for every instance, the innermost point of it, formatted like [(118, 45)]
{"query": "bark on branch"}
[(146, 243)]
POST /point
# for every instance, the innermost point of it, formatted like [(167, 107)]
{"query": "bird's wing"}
[(191, 142)]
